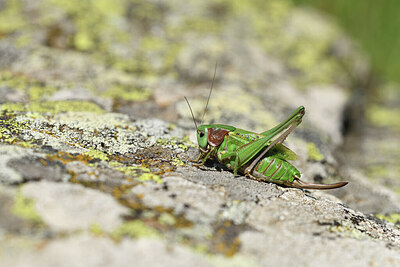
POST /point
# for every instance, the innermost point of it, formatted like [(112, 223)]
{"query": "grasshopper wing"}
[(282, 152)]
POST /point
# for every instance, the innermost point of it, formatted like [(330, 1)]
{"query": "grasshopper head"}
[(202, 133)]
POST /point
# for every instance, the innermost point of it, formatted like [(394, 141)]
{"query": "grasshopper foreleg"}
[(207, 155)]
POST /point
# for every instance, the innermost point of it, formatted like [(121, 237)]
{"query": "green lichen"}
[(128, 93), (177, 162), (83, 41), (167, 219), (377, 172), (11, 19), (175, 143), (96, 229), (92, 21), (134, 229), (115, 164), (10, 128), (53, 107), (384, 117), (35, 90), (25, 208), (348, 229), (393, 217), (148, 176), (96, 154), (313, 152), (142, 173)]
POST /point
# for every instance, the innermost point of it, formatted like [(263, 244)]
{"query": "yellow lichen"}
[(383, 116), (134, 229), (393, 217), (177, 162), (313, 152), (129, 93), (96, 230), (53, 107), (96, 154), (142, 173), (25, 208)]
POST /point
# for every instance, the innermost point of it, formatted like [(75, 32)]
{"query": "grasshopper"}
[(261, 157)]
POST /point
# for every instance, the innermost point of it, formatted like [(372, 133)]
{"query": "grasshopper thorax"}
[(212, 134)]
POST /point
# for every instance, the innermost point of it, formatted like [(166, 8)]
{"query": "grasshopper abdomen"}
[(275, 170)]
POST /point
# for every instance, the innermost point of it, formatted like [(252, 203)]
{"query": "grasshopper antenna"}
[(208, 99), (191, 111)]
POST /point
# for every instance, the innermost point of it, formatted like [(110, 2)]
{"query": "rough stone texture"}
[(194, 197), (86, 250), (69, 207), (95, 137), (9, 154), (315, 251)]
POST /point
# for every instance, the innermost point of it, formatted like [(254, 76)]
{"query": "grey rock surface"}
[(96, 140), (71, 207), (86, 250)]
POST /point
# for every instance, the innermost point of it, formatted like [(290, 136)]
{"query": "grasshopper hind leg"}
[(297, 183)]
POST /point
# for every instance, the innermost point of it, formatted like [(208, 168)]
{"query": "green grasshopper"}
[(257, 156)]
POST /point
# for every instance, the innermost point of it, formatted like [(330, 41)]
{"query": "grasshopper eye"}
[(202, 138)]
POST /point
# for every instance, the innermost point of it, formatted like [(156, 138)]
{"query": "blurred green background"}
[(374, 24)]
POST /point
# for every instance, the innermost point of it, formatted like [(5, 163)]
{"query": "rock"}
[(96, 251), (70, 207), (95, 170), (8, 153), (280, 248), (195, 200)]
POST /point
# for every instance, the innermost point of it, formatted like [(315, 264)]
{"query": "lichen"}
[(128, 93), (384, 117), (167, 219), (142, 173), (53, 107), (11, 19), (393, 217), (148, 176), (10, 128), (25, 208), (34, 89), (175, 143), (96, 229), (97, 155), (349, 229), (178, 162), (134, 229), (313, 152)]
